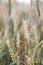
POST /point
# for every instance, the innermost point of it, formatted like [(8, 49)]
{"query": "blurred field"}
[(21, 34)]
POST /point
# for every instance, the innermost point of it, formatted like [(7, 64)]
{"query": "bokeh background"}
[(21, 32)]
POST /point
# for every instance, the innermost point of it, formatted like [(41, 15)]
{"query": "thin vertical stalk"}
[(10, 20), (37, 3), (9, 7), (31, 2), (18, 47)]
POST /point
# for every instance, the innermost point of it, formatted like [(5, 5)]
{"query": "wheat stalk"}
[(1, 48), (18, 47)]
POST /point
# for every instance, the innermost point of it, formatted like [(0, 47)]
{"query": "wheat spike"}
[(10, 50), (25, 30), (30, 60), (18, 40), (35, 34)]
